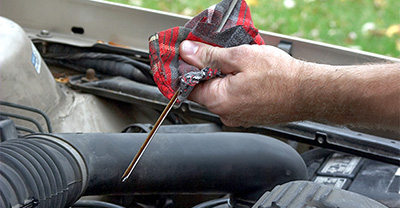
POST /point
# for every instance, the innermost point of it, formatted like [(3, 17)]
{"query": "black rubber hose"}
[(28, 108), (245, 165), (37, 124), (25, 129), (51, 169), (109, 64), (40, 172)]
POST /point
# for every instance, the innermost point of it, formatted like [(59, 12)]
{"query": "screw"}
[(320, 140), (44, 34)]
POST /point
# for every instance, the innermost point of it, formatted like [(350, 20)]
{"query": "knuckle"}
[(237, 53), (209, 58)]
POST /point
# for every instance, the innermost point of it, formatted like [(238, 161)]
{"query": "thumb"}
[(202, 55)]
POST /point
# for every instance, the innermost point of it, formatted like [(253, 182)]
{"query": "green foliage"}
[(361, 24)]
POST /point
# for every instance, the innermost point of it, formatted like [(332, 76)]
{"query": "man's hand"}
[(259, 87), (264, 85)]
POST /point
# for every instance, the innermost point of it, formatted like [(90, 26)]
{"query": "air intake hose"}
[(40, 172), (57, 169)]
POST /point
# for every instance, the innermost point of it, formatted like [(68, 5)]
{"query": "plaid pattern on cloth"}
[(171, 73)]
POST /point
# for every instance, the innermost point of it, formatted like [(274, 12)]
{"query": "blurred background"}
[(369, 25)]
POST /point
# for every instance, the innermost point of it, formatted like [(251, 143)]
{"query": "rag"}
[(171, 73)]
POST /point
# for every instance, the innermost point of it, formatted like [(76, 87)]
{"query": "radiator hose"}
[(54, 170)]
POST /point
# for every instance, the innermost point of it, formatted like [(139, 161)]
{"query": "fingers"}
[(202, 55), (210, 94), (232, 123), (206, 93)]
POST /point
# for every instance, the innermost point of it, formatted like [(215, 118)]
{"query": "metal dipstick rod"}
[(168, 108), (153, 131)]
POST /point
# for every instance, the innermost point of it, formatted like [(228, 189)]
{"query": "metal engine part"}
[(23, 68)]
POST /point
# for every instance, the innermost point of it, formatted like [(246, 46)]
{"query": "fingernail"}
[(189, 47)]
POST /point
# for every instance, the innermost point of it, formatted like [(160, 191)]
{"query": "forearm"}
[(366, 95)]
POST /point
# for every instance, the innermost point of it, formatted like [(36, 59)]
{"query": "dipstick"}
[(153, 131)]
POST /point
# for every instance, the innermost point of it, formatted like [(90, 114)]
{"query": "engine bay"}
[(74, 112)]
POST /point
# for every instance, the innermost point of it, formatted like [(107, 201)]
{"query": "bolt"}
[(320, 140), (90, 74), (183, 108), (44, 34)]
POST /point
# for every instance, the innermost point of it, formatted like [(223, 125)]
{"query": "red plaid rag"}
[(170, 72)]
